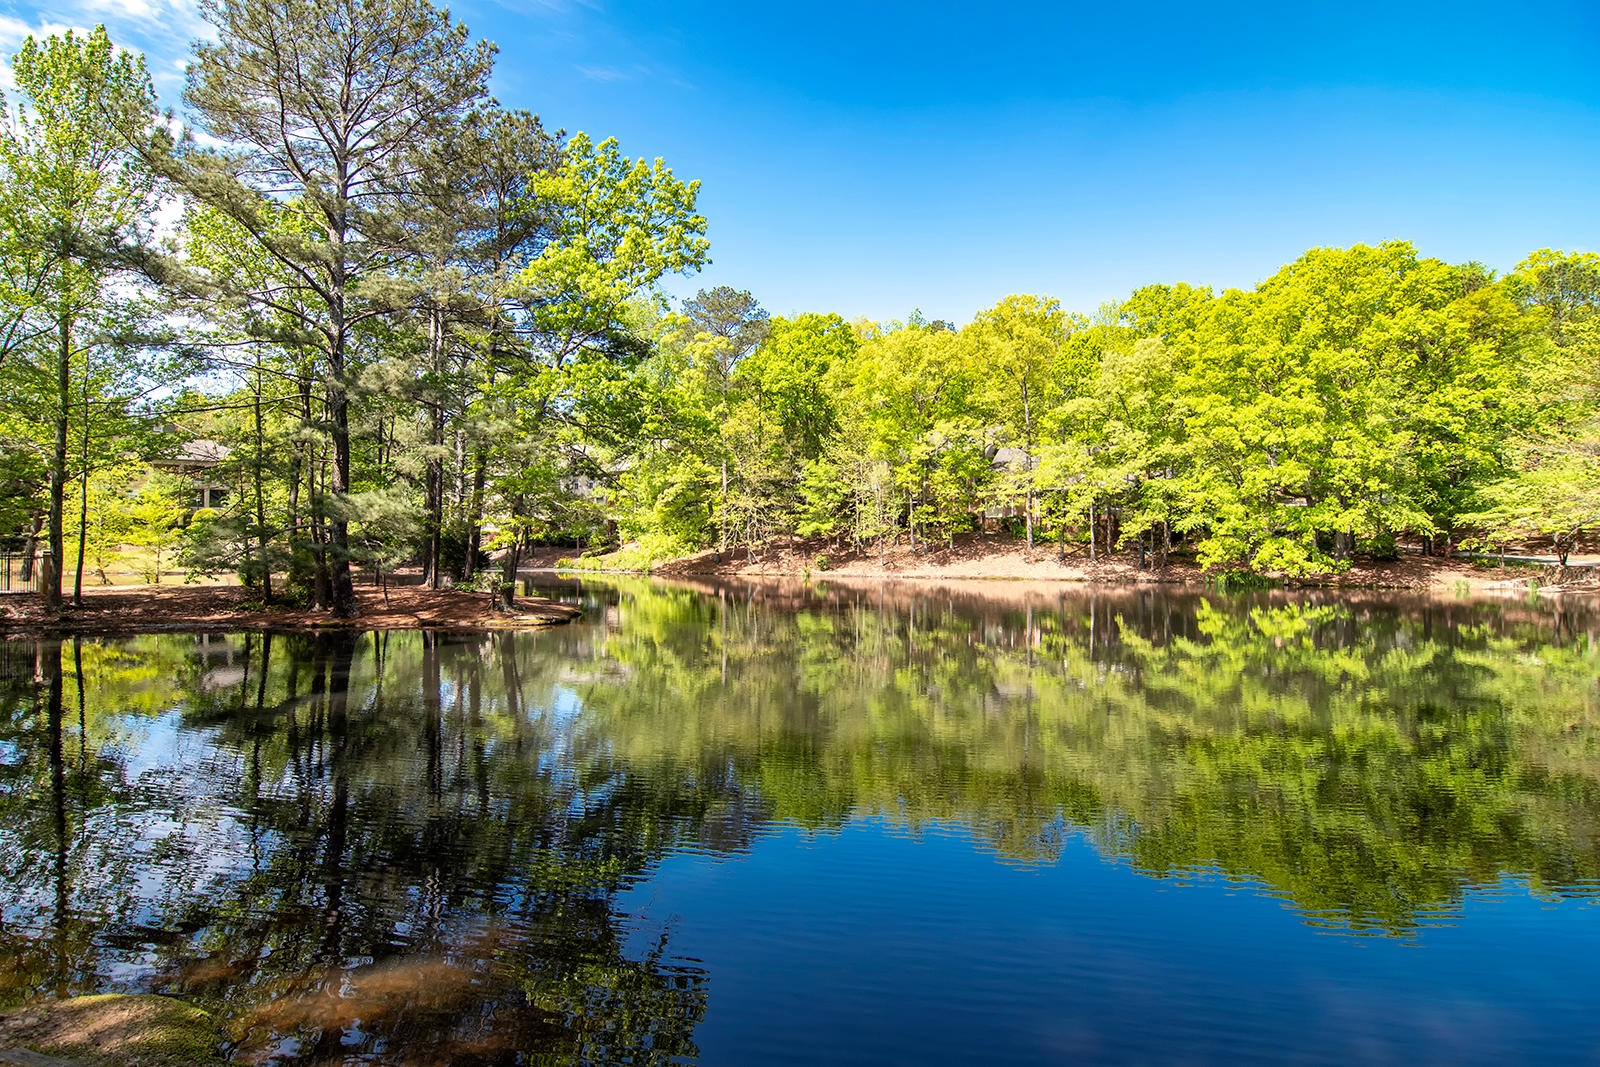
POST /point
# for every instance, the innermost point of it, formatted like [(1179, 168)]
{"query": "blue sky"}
[(871, 159)]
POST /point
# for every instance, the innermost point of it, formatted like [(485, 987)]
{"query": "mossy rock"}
[(111, 1030)]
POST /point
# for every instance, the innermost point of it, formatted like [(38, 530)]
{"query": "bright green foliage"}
[(915, 425), (1358, 396), (617, 227), (110, 518), (1164, 311), (789, 375), (1564, 286), (70, 180), (1120, 438), (1017, 342), (1554, 494), (1551, 487), (777, 415), (75, 203), (155, 515), (567, 388), (1316, 405)]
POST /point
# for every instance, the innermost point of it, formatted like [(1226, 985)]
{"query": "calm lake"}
[(872, 824)]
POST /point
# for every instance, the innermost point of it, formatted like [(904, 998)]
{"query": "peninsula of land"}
[(152, 608)]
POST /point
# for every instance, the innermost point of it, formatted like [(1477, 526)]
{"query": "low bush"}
[(639, 556), (1238, 581)]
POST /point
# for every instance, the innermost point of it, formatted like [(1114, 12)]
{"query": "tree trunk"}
[(341, 585), (461, 474), (506, 600), (30, 547), (1093, 556), (1027, 422), (83, 497), (261, 507), (434, 477), (83, 526), (323, 594), (911, 518), (295, 471), (469, 566), (1061, 538), (50, 578), (722, 513)]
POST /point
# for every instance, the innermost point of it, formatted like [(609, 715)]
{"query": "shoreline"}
[(992, 559), (139, 609)]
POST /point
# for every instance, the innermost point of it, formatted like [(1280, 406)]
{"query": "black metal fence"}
[(19, 573)]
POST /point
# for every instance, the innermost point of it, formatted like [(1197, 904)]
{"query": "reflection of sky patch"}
[(804, 926), (162, 742), (559, 722)]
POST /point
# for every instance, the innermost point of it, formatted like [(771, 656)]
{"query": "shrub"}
[(641, 555), (1384, 547), (1238, 581)]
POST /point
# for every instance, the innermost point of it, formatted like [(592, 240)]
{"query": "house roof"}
[(195, 455), (1010, 456)]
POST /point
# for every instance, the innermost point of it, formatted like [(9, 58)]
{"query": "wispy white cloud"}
[(163, 31), (133, 9), (638, 72), (603, 74), (548, 8), (12, 32)]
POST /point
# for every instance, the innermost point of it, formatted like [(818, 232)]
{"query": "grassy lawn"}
[(130, 565)]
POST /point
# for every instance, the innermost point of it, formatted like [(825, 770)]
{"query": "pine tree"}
[(329, 102)]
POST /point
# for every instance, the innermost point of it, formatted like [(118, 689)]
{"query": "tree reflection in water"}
[(410, 847)]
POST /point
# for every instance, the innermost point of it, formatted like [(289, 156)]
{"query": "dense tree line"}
[(424, 326), (1356, 397)]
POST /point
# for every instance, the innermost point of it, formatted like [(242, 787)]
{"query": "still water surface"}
[(781, 824)]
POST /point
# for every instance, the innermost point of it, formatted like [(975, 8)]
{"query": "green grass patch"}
[(111, 1030)]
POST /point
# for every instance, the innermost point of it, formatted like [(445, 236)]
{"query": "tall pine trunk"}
[(51, 572), (261, 507), (83, 495), (474, 518), (341, 585), (434, 476)]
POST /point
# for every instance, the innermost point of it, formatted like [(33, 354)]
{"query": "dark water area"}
[(874, 824)]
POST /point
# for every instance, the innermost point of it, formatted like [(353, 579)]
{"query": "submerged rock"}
[(113, 1030)]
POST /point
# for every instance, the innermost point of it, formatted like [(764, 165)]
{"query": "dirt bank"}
[(974, 556), (129, 609)]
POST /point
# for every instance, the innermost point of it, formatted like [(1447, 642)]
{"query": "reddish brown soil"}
[(987, 556), (122, 609)]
